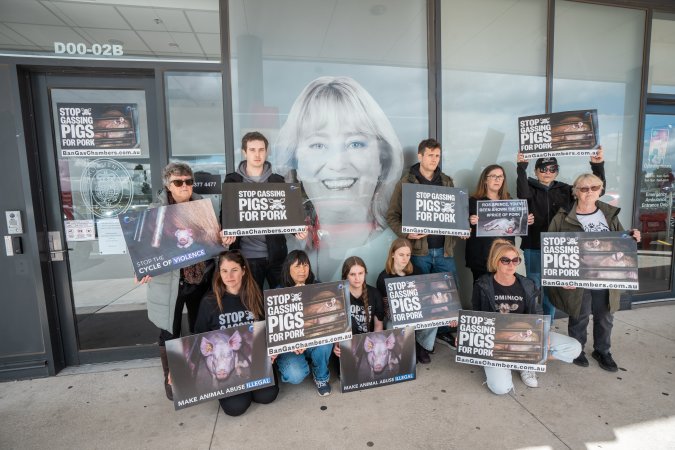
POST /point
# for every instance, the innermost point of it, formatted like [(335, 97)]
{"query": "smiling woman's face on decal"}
[(339, 167)]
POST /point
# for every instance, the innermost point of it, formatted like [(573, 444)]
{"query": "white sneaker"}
[(529, 378)]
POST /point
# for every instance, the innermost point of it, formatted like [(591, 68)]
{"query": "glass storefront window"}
[(195, 120), (145, 29), (340, 90), (597, 65), (662, 49)]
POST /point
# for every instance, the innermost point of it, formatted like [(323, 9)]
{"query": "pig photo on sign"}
[(519, 341), (221, 354), (378, 351), (504, 225), (327, 310), (618, 259)]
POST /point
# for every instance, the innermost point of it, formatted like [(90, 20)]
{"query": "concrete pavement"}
[(122, 405)]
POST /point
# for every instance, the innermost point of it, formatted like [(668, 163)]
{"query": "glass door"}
[(97, 140), (655, 207)]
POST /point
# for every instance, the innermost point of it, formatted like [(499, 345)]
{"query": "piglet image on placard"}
[(381, 359), (506, 226), (519, 341), (321, 313), (222, 357)]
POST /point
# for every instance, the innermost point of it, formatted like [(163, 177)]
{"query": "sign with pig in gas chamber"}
[(377, 359), (307, 316), (262, 208), (429, 209), (218, 364)]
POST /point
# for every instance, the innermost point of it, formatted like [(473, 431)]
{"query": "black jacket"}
[(477, 249), (483, 297), (276, 243), (545, 201)]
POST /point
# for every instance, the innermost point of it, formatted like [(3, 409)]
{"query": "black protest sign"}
[(171, 237), (511, 341), (569, 133), (377, 359), (604, 260), (218, 364), (425, 301), (262, 208), (429, 209), (206, 184), (307, 316), (501, 218), (98, 129)]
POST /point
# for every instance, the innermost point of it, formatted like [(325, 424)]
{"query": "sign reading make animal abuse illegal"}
[(218, 364), (262, 208), (377, 359), (511, 341), (425, 301), (603, 260), (569, 133), (429, 209), (307, 316)]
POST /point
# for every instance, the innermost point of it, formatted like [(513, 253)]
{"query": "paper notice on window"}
[(110, 237), (80, 230)]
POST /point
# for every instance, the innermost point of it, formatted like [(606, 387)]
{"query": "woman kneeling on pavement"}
[(234, 291), (503, 290), (295, 366), (589, 214)]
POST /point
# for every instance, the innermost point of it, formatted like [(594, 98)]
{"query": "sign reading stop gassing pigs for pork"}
[(568, 133), (377, 359), (425, 301), (603, 260), (511, 341), (262, 208), (307, 316), (218, 364), (501, 218), (431, 209)]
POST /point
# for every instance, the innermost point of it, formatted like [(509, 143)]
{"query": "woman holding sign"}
[(491, 186), (365, 302), (397, 265), (236, 300), (589, 214), (295, 366), (505, 291)]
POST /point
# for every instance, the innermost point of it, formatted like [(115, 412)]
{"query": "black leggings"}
[(190, 295), (238, 404)]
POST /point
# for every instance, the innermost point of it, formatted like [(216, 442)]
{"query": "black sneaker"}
[(422, 354), (581, 360), (446, 339), (605, 360)]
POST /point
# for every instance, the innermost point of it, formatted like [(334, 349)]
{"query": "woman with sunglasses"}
[(491, 186), (589, 214), (169, 292), (505, 291), (545, 196)]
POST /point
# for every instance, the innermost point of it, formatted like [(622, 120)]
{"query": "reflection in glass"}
[(662, 49), (657, 184)]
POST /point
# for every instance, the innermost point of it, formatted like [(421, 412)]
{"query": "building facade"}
[(99, 96)]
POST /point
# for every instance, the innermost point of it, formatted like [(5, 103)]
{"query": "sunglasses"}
[(592, 188), (551, 169), (179, 183), (515, 261)]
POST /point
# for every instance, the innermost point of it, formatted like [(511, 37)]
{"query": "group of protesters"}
[(234, 282)]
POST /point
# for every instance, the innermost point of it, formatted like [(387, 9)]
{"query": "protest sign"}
[(569, 133), (171, 237), (511, 341), (377, 359), (98, 129), (501, 218), (262, 208), (604, 260), (429, 209), (424, 301), (218, 364), (307, 316)]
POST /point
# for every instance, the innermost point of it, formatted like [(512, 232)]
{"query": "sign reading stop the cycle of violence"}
[(568, 133), (307, 316), (511, 341), (425, 301), (431, 209), (604, 260), (262, 208)]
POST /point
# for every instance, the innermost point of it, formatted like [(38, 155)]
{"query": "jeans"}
[(533, 266), (434, 262), (603, 321), (295, 368), (562, 347), (262, 270)]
